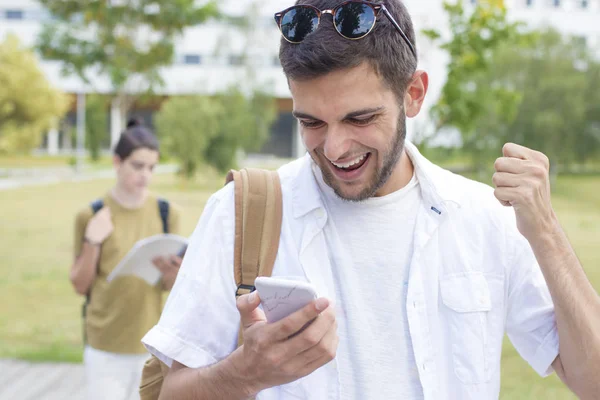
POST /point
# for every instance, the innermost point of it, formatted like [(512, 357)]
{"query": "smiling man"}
[(355, 131), (421, 271)]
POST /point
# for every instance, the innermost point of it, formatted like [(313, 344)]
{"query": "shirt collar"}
[(306, 194), (438, 186)]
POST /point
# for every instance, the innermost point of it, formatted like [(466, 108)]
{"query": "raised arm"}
[(89, 238), (522, 182)]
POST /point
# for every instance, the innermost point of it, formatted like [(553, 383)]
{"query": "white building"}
[(208, 57)]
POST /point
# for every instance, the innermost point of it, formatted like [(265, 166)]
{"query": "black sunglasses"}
[(351, 19)]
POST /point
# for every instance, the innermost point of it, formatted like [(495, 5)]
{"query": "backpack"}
[(163, 209), (258, 214)]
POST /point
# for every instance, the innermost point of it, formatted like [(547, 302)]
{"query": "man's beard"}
[(391, 157)]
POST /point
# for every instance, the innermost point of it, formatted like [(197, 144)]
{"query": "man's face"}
[(353, 128), (135, 172)]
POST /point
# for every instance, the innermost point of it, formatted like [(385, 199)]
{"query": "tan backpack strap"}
[(272, 224), (258, 215), (236, 177)]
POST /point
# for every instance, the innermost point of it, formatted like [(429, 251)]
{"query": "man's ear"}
[(415, 93)]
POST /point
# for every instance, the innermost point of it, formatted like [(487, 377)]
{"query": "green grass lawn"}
[(42, 161), (29, 161), (40, 314)]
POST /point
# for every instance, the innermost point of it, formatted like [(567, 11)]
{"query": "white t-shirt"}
[(375, 353)]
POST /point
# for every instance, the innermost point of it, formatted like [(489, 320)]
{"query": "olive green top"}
[(120, 312)]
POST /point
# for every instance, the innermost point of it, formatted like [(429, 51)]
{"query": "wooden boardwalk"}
[(20, 380)]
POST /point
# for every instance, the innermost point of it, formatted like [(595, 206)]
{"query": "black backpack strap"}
[(163, 208), (97, 205)]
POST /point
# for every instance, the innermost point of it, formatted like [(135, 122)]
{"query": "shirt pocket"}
[(468, 302)]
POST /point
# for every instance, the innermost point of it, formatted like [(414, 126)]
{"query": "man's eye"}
[(362, 121), (311, 124)]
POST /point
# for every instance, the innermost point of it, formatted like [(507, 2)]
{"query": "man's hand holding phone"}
[(277, 353)]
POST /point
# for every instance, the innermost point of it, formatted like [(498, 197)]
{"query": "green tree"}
[(201, 129), (243, 113), (126, 41), (244, 124), (29, 105), (588, 145), (467, 101), (558, 82), (96, 124), (186, 126), (249, 110)]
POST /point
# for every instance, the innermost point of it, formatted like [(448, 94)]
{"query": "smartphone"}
[(281, 297)]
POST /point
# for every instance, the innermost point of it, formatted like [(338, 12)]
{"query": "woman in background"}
[(118, 313)]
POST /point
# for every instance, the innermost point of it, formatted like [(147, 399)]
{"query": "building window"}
[(14, 14), (556, 3), (529, 3), (584, 3), (192, 59), (236, 60), (36, 14), (580, 41)]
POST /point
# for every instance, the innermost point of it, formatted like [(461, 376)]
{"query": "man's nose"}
[(337, 143)]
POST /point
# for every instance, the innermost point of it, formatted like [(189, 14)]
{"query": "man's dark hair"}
[(325, 51), (137, 136)]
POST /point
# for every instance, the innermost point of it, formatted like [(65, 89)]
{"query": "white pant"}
[(111, 375)]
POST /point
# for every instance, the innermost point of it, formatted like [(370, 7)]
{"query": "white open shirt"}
[(473, 278)]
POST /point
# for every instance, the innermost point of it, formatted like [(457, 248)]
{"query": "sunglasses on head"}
[(351, 19)]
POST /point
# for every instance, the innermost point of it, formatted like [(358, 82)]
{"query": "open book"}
[(138, 261)]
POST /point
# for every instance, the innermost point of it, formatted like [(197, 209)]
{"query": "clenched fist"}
[(100, 226), (522, 181)]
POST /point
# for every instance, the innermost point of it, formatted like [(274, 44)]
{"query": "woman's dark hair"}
[(325, 51), (134, 121), (137, 136)]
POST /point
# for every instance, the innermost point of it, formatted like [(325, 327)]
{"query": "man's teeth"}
[(351, 162)]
